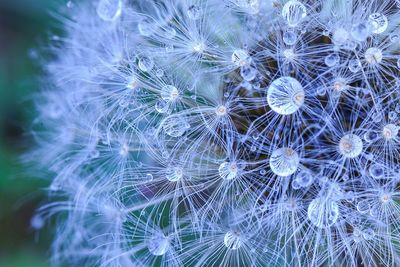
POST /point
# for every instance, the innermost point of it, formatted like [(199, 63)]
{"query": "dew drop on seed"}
[(285, 95), (390, 131), (289, 37), (354, 65), (37, 222), (146, 27), (228, 170), (174, 174), (363, 207), (294, 12), (284, 161), (175, 126), (373, 55), (248, 73), (149, 177), (360, 31), (323, 212), (146, 64), (109, 10), (376, 171), (350, 146), (340, 37), (232, 240), (169, 93), (370, 136), (369, 234), (161, 106), (304, 178), (194, 12), (158, 245), (240, 58), (378, 22), (332, 60)]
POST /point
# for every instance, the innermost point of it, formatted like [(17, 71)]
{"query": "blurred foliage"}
[(24, 26)]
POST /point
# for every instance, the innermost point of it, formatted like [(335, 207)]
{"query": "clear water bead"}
[(175, 126), (363, 206), (146, 64), (294, 12), (376, 171), (354, 65), (350, 146), (158, 244), (248, 73), (323, 212), (332, 60), (373, 55), (146, 27), (109, 10), (194, 12), (390, 131), (289, 37), (304, 178), (360, 31), (170, 93), (174, 174), (284, 161), (241, 58), (228, 170), (232, 240), (378, 22), (340, 36), (285, 95), (161, 106)]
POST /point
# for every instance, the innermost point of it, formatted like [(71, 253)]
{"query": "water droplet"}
[(363, 206), (161, 106), (370, 136), (228, 170), (147, 27), (37, 222), (158, 244), (241, 58), (323, 212), (170, 93), (360, 31), (304, 178), (378, 22), (369, 234), (248, 73), (373, 55), (285, 95), (109, 10), (376, 171), (394, 37), (232, 240), (354, 65), (174, 174), (294, 12), (284, 161), (332, 60), (350, 146), (390, 131), (175, 126), (194, 12), (146, 64), (340, 36), (289, 37), (149, 177)]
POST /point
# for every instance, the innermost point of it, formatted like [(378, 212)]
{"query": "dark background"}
[(24, 28)]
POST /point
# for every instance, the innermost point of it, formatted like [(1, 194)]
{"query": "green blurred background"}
[(24, 27)]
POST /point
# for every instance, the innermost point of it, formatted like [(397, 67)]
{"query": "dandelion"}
[(222, 133)]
